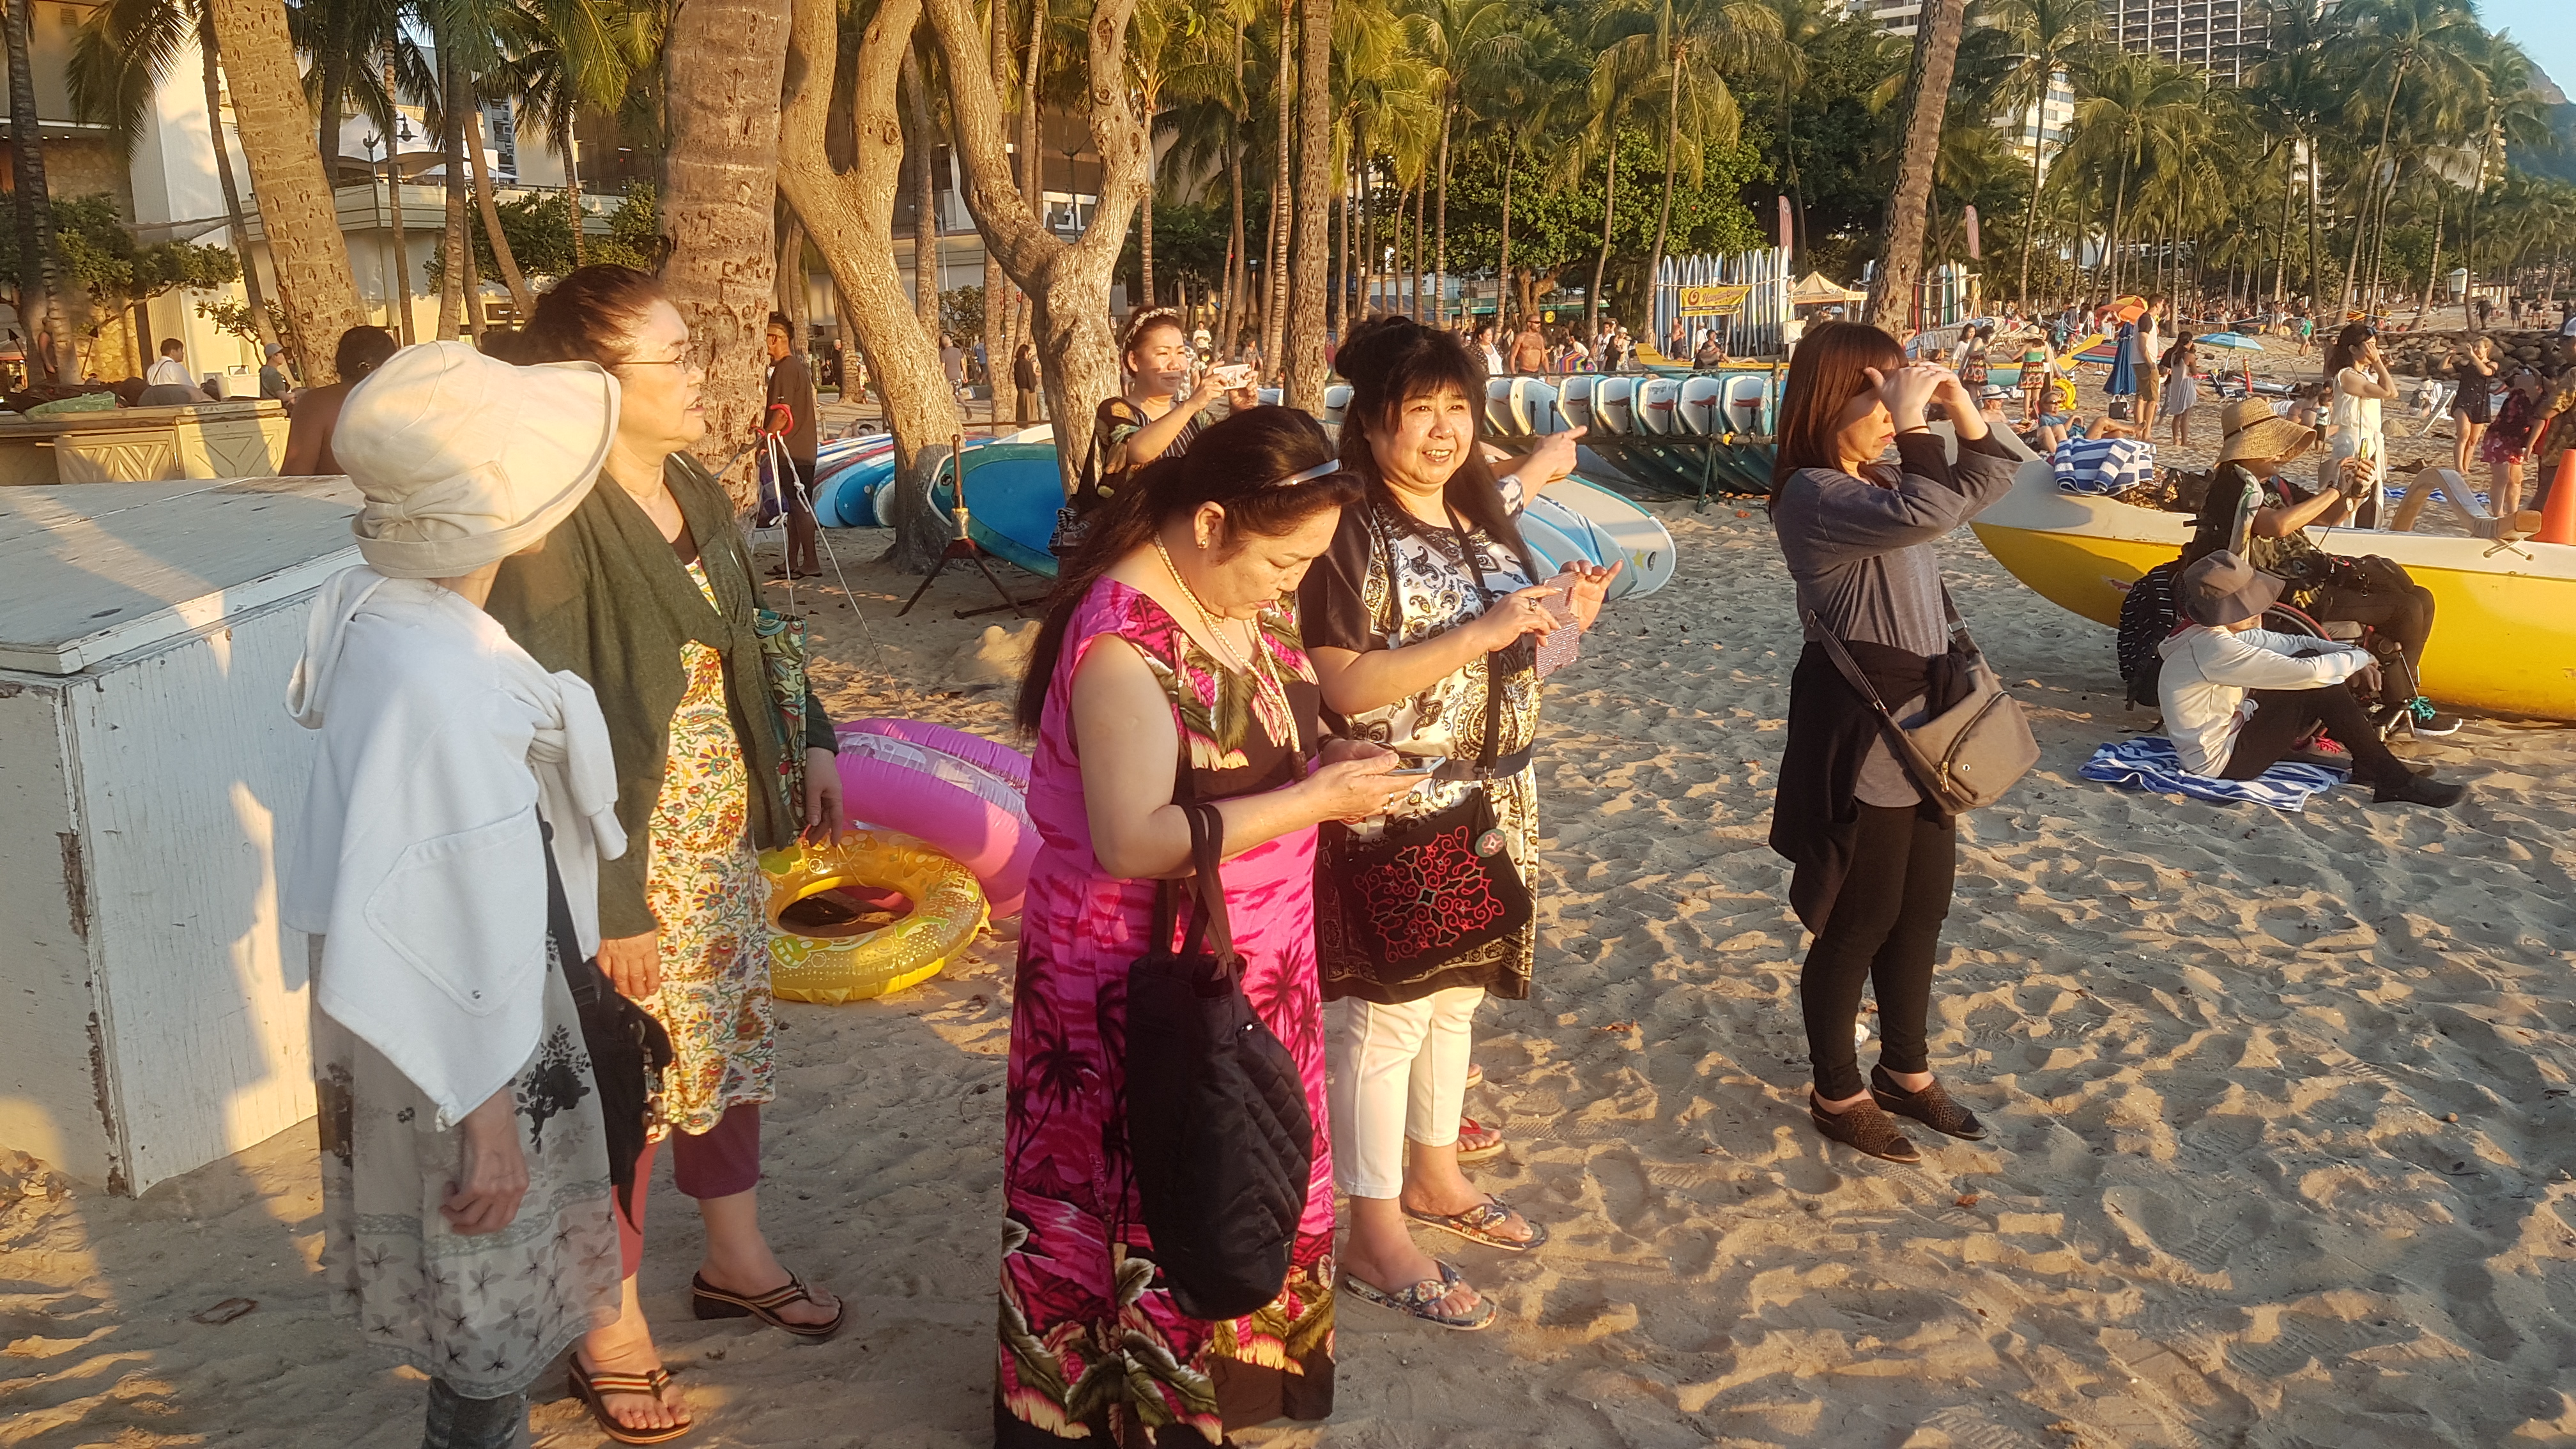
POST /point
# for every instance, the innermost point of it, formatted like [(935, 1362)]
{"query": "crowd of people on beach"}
[(1284, 707)]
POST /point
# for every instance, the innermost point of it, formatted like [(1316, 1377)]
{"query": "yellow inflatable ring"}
[(948, 911)]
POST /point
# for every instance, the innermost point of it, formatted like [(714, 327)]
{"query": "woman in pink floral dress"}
[(1171, 637)]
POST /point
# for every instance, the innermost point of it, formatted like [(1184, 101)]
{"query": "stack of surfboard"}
[(1693, 436)]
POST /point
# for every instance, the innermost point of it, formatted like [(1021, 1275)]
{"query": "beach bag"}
[(628, 1049), (1968, 755), (1219, 1136), (1429, 890)]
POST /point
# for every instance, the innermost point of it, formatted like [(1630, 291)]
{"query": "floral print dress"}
[(486, 1313), (1092, 1345), (704, 885)]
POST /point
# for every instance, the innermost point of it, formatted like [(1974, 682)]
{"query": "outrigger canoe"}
[(2504, 633)]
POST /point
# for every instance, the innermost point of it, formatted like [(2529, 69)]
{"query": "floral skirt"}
[(488, 1313)]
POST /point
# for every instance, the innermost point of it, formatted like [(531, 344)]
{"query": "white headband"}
[(1318, 471)]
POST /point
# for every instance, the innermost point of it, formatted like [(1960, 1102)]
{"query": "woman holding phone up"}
[(1160, 412), (1875, 859)]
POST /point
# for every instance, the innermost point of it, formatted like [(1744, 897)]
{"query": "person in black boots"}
[(1875, 859)]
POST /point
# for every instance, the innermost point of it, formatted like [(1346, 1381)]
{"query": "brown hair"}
[(1390, 361), (1828, 370), (1237, 464), (591, 315)]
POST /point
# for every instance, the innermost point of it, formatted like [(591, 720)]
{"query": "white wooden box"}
[(146, 764)]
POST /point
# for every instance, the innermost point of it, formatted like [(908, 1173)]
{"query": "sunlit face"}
[(1426, 441), (777, 344), (1864, 428), (659, 409), (1161, 361), (1246, 571)]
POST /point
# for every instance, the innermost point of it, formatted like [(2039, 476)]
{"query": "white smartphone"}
[(1420, 765), (1232, 376)]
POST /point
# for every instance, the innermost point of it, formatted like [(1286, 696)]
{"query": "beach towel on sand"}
[(2102, 465), (2148, 762)]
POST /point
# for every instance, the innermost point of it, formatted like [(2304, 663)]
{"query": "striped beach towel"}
[(2148, 762), (2102, 465)]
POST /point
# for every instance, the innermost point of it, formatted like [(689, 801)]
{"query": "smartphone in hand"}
[(1232, 376)]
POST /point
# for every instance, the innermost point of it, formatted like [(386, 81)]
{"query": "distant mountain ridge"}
[(2560, 163)]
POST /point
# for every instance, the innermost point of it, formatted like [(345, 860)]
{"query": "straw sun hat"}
[(465, 459), (2253, 430)]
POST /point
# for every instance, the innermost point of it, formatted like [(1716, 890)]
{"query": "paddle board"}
[(1554, 545), (1654, 402), (1012, 493), (1622, 531)]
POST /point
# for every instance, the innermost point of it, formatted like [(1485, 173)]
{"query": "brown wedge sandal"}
[(593, 1390), (709, 1301)]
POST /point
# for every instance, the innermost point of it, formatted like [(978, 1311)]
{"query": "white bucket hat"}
[(465, 459)]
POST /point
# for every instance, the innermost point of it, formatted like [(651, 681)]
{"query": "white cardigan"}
[(2208, 672), (418, 860)]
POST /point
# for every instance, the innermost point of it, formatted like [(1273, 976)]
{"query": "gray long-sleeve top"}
[(1861, 556)]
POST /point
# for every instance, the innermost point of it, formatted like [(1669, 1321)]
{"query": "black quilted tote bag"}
[(1217, 1126)]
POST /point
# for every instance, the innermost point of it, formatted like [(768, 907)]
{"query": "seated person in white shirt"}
[(2238, 697), (170, 371)]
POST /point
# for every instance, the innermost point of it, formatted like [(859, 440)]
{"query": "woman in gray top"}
[(1875, 860)]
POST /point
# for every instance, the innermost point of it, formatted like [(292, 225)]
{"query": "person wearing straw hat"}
[(2238, 697), (2254, 510), (468, 1222)]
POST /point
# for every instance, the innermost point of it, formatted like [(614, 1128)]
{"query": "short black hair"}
[(779, 321)]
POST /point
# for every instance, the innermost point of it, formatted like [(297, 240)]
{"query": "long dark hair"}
[(2346, 346), (1236, 464), (1827, 371), (1390, 361)]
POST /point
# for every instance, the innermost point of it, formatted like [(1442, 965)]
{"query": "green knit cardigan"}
[(607, 598)]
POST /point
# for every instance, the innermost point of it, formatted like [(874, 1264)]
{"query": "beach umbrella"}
[(2237, 340)]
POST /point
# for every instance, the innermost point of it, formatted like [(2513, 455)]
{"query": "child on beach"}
[(465, 1162)]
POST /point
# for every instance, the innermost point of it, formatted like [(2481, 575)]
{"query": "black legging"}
[(2403, 615), (2281, 716), (1884, 929)]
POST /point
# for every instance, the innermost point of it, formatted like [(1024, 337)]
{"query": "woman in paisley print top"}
[(1424, 594), (1169, 668)]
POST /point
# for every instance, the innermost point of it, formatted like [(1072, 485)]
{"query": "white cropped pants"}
[(1397, 1072)]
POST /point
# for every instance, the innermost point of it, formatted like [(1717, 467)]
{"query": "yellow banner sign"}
[(1710, 301)]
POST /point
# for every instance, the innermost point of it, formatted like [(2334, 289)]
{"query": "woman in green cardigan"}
[(646, 592)]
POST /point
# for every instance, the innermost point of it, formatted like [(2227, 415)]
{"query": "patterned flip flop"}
[(1422, 1300), (593, 1390), (709, 1301), (1477, 1225)]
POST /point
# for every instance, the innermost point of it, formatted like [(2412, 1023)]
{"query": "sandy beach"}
[(2282, 1156)]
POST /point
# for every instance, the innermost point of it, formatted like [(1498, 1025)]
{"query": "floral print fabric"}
[(487, 1313), (1091, 1343), (705, 887)]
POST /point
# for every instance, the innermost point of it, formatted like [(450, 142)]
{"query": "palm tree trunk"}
[(1145, 212), (39, 270), (1342, 258), (1664, 215), (724, 65), (2378, 158), (451, 238), (1601, 263), (335, 88), (1000, 377), (295, 203), (1503, 263), (2434, 272), (572, 191), (522, 300), (1238, 266), (2111, 238), (1421, 243), (236, 224), (1440, 247), (1274, 276), (401, 294), (1936, 54), (2030, 214), (925, 198), (1306, 370)]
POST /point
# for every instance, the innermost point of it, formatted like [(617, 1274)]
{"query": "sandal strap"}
[(648, 1385), (1429, 1291)]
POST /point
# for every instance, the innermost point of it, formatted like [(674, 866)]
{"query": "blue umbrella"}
[(2124, 372), (2237, 340)]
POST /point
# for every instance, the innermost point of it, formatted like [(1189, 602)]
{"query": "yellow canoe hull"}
[(2504, 630)]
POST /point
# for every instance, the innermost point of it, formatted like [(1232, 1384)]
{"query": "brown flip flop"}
[(709, 1301), (593, 1390)]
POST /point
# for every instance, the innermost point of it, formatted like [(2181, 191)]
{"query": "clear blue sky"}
[(2546, 31)]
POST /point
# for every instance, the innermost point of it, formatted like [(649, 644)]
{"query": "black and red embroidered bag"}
[(1391, 913)]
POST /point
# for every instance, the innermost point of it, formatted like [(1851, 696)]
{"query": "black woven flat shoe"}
[(1933, 1107), (1864, 1128)]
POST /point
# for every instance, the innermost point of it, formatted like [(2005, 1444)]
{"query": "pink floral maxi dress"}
[(1092, 1346)]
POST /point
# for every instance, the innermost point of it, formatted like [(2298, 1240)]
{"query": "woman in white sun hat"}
[(467, 1210)]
